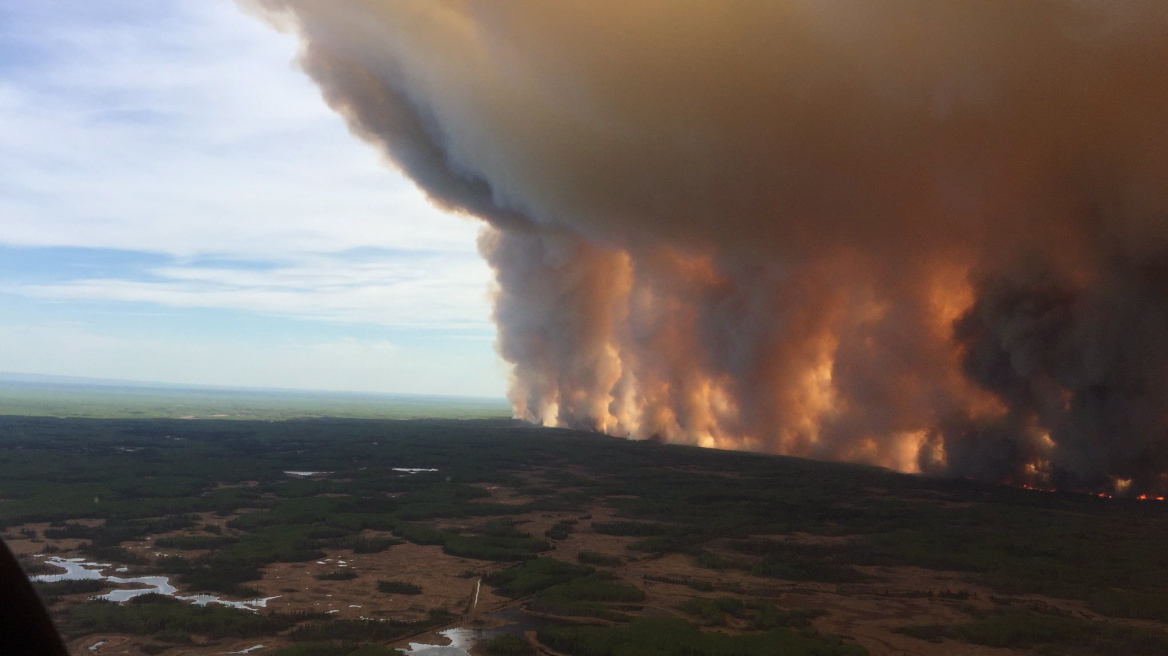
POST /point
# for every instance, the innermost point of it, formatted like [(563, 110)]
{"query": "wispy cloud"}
[(168, 157), (182, 126), (420, 289)]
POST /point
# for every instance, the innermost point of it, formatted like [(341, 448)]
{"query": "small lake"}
[(156, 585), (462, 639), (76, 569), (79, 569)]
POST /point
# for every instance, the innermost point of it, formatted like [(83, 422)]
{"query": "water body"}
[(250, 604), (78, 569), (157, 585), (462, 639)]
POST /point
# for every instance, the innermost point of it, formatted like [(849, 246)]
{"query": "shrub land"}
[(739, 530)]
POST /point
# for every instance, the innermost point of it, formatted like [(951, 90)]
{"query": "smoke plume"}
[(926, 234)]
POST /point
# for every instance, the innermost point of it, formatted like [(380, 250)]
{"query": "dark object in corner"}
[(25, 627)]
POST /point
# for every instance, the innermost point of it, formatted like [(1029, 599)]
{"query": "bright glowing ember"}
[(926, 234)]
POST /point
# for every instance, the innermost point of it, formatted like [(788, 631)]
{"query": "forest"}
[(629, 547)]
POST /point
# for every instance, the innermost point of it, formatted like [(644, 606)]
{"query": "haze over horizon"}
[(47, 381), (178, 205)]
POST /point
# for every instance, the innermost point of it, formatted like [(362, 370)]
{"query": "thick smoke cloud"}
[(931, 235)]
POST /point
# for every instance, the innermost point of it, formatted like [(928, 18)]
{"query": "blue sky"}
[(177, 204)]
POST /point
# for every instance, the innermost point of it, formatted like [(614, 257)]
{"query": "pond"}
[(79, 569), (462, 639), (76, 569)]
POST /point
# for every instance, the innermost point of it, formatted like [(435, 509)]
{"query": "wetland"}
[(330, 537)]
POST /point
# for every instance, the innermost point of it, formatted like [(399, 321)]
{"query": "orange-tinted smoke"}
[(928, 234)]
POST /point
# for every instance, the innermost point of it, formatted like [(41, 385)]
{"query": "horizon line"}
[(63, 380)]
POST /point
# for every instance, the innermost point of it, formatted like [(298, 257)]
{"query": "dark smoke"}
[(928, 234), (1086, 359)]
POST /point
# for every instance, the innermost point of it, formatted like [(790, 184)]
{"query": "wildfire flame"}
[(1101, 495), (791, 229)]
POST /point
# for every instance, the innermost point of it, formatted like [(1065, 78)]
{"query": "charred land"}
[(389, 525)]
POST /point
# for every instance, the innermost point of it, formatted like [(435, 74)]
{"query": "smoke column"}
[(925, 234)]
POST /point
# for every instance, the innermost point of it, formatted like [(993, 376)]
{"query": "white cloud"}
[(195, 135), (181, 127)]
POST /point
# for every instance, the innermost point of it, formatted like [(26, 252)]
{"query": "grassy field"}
[(636, 547)]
